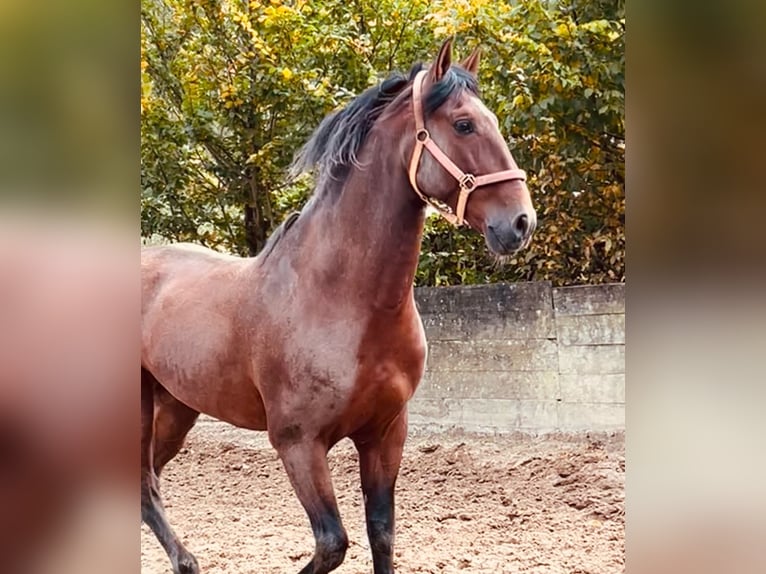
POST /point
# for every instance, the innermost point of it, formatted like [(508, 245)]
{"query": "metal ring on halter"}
[(468, 182), (425, 135)]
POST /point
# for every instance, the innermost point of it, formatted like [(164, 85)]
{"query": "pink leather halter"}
[(467, 181)]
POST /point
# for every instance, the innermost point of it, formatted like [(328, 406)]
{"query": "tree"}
[(231, 89)]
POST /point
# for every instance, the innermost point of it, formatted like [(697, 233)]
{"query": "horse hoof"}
[(187, 565)]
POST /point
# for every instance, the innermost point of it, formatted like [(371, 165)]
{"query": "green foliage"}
[(231, 89)]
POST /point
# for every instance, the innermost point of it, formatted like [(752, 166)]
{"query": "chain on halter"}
[(467, 181)]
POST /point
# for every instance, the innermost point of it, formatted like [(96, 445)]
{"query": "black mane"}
[(334, 145), (277, 234), (455, 79)]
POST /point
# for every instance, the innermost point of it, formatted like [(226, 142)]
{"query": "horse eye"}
[(463, 127)]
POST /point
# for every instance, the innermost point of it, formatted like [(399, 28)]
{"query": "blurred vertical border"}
[(696, 313), (69, 286)]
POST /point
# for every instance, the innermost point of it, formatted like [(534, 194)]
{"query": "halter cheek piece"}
[(467, 181)]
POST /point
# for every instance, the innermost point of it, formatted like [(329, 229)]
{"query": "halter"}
[(467, 181)]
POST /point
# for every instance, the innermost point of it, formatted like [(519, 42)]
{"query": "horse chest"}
[(391, 365)]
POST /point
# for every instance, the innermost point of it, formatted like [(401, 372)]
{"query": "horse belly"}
[(223, 396)]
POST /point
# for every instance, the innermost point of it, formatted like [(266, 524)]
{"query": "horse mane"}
[(334, 145), (278, 233)]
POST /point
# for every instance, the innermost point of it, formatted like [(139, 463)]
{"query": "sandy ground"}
[(465, 503)]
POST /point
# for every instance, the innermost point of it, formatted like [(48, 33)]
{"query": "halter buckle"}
[(422, 135), (467, 182)]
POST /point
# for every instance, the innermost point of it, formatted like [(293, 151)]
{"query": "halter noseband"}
[(467, 181)]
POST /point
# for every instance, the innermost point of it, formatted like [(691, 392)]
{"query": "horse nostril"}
[(521, 224)]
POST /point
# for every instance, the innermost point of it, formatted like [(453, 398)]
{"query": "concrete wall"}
[(522, 357)]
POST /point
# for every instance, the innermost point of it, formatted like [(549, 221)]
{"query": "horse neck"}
[(375, 223)]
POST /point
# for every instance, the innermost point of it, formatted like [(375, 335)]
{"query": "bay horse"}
[(318, 338)]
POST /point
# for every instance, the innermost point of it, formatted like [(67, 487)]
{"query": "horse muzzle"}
[(506, 236)]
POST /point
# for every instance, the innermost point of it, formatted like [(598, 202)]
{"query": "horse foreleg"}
[(379, 459), (306, 465), (152, 510)]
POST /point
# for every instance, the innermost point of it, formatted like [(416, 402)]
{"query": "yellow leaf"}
[(287, 73)]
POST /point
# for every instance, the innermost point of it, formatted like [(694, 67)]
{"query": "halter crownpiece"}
[(466, 181)]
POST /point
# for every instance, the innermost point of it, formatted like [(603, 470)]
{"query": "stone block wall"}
[(522, 357)]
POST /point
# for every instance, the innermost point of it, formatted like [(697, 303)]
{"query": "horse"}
[(318, 338)]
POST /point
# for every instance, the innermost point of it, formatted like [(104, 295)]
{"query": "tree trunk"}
[(255, 230), (258, 214)]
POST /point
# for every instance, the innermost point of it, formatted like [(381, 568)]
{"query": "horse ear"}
[(471, 63), (442, 62)]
